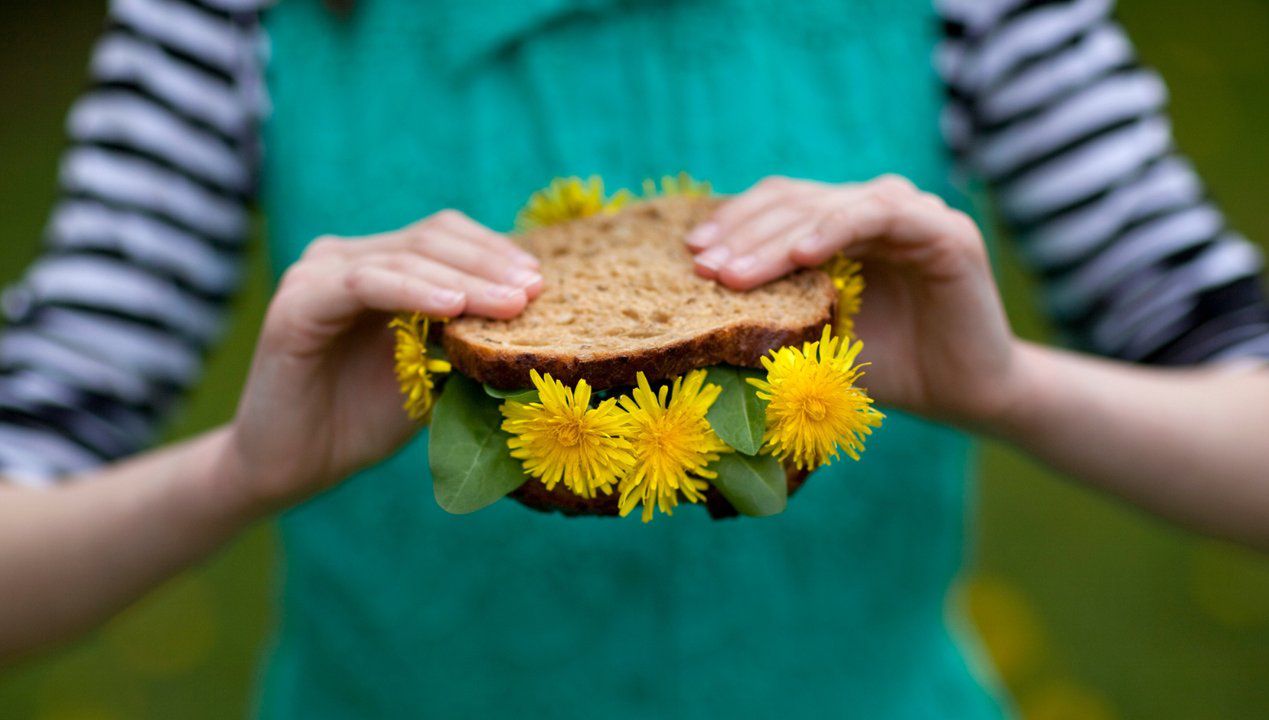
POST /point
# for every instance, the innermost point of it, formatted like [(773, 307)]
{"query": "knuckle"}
[(964, 226), (775, 182), (424, 240), (933, 200), (444, 218), (324, 245), (893, 189), (895, 182), (965, 237), (295, 276), (284, 324), (836, 223), (357, 279), (835, 218), (883, 196)]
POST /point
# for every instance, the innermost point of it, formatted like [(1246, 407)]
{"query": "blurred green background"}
[(1090, 609)]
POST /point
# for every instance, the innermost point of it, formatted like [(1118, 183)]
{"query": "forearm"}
[(1189, 445), (73, 556)]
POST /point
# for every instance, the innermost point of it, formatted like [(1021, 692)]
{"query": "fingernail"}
[(527, 259), (742, 264), (502, 292), (703, 235), (446, 298), (810, 244), (522, 277), (713, 258)]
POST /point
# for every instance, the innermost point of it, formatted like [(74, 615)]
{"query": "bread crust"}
[(534, 495), (741, 341), (741, 344), (658, 227)]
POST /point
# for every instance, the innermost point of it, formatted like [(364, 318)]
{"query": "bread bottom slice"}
[(533, 494)]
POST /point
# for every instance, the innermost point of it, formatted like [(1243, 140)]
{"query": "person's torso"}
[(393, 608)]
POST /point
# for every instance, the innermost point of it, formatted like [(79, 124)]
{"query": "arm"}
[(143, 249), (1186, 443), (108, 328), (320, 402), (75, 554), (1049, 105)]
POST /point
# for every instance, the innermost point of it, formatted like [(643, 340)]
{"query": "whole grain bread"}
[(534, 495), (620, 296)]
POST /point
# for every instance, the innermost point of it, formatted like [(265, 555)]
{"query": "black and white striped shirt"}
[(1047, 103)]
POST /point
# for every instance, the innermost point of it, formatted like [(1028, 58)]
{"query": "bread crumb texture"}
[(620, 295)]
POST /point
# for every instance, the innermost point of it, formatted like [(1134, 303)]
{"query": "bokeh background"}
[(1090, 609)]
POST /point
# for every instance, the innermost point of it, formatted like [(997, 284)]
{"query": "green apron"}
[(390, 607)]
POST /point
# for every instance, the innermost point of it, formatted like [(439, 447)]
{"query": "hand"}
[(321, 399), (932, 322)]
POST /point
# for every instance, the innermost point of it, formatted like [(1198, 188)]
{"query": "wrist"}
[(1021, 389), (226, 482)]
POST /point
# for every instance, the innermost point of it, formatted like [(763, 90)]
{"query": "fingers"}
[(380, 288), (773, 223), (737, 246), (739, 210), (899, 225), (466, 255), (319, 298), (453, 239), (481, 296), (494, 243), (782, 224), (768, 260), (448, 250)]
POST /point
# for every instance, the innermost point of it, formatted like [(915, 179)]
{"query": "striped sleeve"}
[(142, 250), (1049, 105)]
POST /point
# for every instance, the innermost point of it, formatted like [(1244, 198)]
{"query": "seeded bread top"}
[(620, 296)]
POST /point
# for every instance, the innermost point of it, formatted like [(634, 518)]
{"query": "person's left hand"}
[(932, 321)]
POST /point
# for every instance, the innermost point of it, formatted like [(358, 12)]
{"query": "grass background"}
[(1090, 609)]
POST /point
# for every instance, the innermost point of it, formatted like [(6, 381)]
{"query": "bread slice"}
[(534, 495), (620, 296)]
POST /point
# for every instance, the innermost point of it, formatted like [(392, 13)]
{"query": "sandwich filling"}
[(683, 435)]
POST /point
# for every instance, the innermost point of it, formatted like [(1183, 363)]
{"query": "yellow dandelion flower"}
[(681, 184), (414, 368), (561, 437), (850, 290), (673, 444), (813, 406), (568, 199)]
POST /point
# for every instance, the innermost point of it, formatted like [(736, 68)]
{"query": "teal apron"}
[(390, 607)]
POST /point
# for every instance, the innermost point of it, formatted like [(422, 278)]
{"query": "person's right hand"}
[(321, 399)]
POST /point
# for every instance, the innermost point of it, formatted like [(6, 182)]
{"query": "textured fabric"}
[(390, 608), (108, 327), (1047, 102), (1051, 107)]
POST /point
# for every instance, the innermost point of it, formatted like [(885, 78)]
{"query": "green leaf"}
[(471, 464), (739, 416), (754, 484), (524, 395)]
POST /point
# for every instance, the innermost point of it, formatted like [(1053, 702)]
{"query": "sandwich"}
[(632, 383)]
